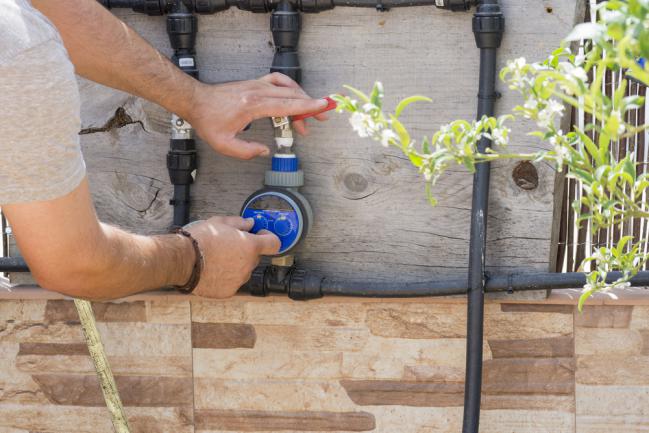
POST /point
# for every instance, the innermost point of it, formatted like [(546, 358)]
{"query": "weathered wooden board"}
[(372, 218)]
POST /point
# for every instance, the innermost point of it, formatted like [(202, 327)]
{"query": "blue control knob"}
[(281, 211), (283, 226), (261, 223)]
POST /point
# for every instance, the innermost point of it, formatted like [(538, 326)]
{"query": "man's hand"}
[(230, 253), (105, 50), (220, 112)]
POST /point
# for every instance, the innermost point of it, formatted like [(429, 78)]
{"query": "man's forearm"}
[(105, 50), (126, 263), (69, 251)]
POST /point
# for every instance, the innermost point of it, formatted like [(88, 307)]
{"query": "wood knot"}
[(525, 175), (355, 182)]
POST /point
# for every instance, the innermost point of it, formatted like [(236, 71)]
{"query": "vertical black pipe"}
[(285, 26), (488, 27), (182, 161)]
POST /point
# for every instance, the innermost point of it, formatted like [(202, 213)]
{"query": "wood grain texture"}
[(359, 191)]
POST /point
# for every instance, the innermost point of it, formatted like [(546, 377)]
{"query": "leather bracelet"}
[(198, 264)]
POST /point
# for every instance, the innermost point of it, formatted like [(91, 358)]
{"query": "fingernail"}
[(323, 102), (265, 152), (250, 220)]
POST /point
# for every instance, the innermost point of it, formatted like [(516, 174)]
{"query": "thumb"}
[(268, 243), (242, 149)]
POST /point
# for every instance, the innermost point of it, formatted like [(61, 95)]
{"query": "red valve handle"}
[(331, 104)]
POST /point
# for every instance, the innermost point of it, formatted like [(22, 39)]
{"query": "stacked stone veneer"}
[(336, 366)]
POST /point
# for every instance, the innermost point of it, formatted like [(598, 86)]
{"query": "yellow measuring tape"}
[(105, 375)]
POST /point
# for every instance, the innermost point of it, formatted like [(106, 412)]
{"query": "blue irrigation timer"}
[(279, 211)]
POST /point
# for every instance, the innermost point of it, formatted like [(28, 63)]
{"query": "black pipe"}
[(285, 26), (488, 28), (161, 7), (339, 287), (273, 279), (13, 264), (182, 159), (513, 282)]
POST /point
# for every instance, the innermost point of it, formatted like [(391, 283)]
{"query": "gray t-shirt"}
[(40, 155)]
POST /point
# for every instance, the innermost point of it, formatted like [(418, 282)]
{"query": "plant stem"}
[(104, 374)]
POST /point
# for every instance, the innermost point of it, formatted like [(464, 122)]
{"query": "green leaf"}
[(583, 298), (604, 145), (416, 160), (629, 168), (360, 95), (426, 146), (376, 97), (590, 147), (404, 103), (402, 132)]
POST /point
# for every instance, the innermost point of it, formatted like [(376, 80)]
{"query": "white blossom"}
[(359, 122), (617, 115), (546, 115), (560, 150), (368, 107), (531, 104), (428, 174), (500, 136), (386, 136)]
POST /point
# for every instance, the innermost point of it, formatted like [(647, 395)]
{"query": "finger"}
[(271, 91), (269, 107), (243, 224), (279, 79), (242, 149), (268, 244), (321, 117), (300, 127)]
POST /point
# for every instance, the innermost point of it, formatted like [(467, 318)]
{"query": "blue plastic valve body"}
[(277, 213)]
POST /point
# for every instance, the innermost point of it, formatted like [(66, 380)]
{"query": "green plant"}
[(612, 189)]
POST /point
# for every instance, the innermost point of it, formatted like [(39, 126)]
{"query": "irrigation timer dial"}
[(279, 211)]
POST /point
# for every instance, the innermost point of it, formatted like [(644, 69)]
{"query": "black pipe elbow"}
[(298, 284)]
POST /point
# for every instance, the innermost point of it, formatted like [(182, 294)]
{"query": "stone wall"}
[(270, 365)]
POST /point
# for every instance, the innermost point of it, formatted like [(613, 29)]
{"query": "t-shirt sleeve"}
[(40, 154)]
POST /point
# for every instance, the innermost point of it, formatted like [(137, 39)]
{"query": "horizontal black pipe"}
[(366, 289), (507, 282), (514, 282), (160, 7), (13, 264)]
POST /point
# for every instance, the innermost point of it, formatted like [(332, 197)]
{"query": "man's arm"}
[(105, 50), (69, 251)]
